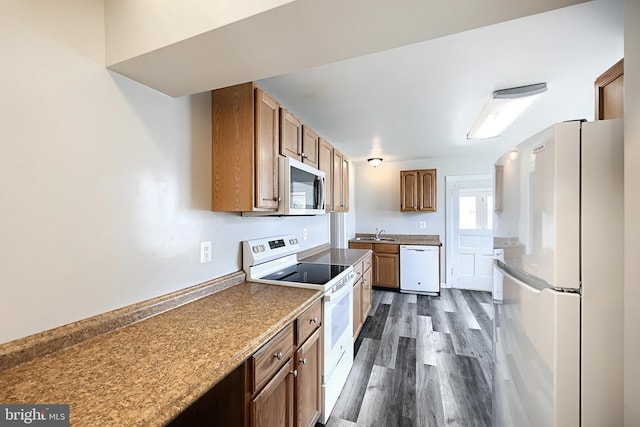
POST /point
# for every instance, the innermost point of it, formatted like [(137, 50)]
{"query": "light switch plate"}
[(422, 224)]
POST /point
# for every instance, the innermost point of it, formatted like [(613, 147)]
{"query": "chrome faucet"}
[(378, 233)]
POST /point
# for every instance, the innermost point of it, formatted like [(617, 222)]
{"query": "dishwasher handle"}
[(417, 248)]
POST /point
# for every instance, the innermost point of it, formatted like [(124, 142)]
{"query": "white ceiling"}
[(420, 100)]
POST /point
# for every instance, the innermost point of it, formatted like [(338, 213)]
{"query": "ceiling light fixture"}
[(503, 108), (375, 161)]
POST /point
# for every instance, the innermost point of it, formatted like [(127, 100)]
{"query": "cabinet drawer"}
[(360, 245), (358, 269), (388, 248), (274, 354), (366, 264), (309, 321)]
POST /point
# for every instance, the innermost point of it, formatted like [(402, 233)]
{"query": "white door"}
[(470, 238)]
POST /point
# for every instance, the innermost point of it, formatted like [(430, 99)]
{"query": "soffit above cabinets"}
[(204, 46)]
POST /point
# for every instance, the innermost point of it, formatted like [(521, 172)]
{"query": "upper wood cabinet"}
[(296, 140), (418, 190), (345, 184), (290, 135), (610, 93), (310, 141), (340, 182), (325, 164), (245, 139)]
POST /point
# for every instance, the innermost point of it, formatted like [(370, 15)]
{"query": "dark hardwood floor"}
[(421, 361)]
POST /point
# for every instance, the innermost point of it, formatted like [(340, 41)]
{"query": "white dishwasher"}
[(419, 269)]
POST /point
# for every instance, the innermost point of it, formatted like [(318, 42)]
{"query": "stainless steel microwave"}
[(302, 188)]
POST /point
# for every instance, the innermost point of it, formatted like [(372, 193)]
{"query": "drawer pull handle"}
[(303, 361), (294, 373), (278, 355), (314, 320)]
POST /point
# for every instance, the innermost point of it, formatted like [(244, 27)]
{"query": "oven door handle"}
[(336, 296)]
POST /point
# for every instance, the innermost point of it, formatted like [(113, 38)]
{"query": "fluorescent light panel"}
[(504, 107)]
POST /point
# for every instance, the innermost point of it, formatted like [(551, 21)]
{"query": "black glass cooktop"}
[(318, 274)]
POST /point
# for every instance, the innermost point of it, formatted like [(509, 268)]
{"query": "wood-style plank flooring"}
[(421, 361)]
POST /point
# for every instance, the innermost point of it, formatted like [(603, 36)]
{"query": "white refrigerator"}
[(558, 331)]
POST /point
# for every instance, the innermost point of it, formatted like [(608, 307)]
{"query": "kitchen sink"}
[(376, 239)]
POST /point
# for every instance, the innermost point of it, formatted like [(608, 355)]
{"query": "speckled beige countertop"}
[(148, 372), (404, 239)]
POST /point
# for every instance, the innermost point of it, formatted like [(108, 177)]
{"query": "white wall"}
[(104, 183), (378, 195), (179, 20), (632, 207)]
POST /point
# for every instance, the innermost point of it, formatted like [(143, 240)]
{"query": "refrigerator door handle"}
[(530, 281)]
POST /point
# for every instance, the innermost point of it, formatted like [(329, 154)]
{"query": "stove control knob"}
[(255, 249)]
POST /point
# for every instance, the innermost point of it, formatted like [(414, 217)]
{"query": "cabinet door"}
[(357, 308), (325, 164), (290, 135), (427, 190), (338, 205), (408, 191), (266, 151), (366, 294), (610, 93), (308, 381), (345, 184), (386, 269), (232, 151), (273, 406), (310, 147)]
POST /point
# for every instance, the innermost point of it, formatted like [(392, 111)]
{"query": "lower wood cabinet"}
[(367, 292), (361, 295), (308, 381), (386, 265), (279, 385), (358, 321), (273, 406), (387, 270)]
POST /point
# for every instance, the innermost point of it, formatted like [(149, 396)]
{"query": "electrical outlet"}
[(305, 234), (205, 252), (422, 224)]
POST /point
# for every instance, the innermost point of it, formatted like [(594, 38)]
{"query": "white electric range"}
[(274, 260)]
